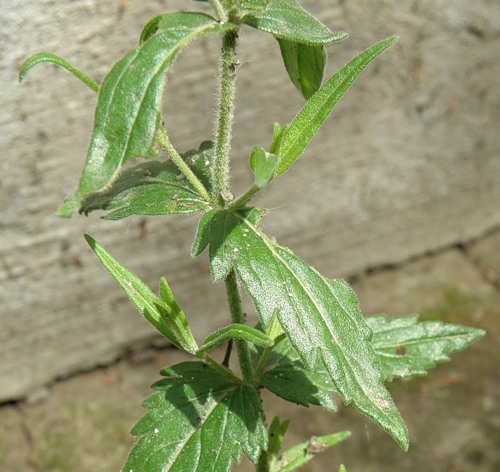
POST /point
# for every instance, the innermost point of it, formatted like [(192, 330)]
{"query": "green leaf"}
[(300, 454), (277, 431), (199, 421), (154, 188), (314, 113), (173, 316), (200, 162), (48, 57), (213, 228), (305, 65), (320, 317), (127, 113), (342, 468), (285, 375), (286, 19), (164, 314), (408, 348), (235, 331), (151, 28), (263, 165)]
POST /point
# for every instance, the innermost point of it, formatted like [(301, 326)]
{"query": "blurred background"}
[(403, 199)]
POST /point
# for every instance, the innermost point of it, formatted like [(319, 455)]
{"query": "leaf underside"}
[(199, 421), (408, 348), (154, 188), (127, 112), (305, 65), (320, 317), (286, 19)]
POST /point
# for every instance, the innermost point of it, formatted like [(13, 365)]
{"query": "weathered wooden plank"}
[(407, 164)]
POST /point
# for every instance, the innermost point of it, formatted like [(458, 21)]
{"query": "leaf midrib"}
[(304, 289)]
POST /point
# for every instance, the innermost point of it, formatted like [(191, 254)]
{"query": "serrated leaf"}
[(127, 113), (165, 316), (199, 421), (408, 348), (212, 229), (320, 317), (263, 165), (305, 65), (286, 19), (314, 113), (302, 453), (153, 189), (235, 331), (49, 57)]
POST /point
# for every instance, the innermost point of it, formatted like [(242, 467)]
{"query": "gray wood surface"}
[(408, 163)]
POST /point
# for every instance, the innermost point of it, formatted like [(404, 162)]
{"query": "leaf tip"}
[(90, 240)]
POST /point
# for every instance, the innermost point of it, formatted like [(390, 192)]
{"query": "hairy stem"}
[(263, 463), (237, 316), (225, 115), (166, 145), (218, 367), (245, 198)]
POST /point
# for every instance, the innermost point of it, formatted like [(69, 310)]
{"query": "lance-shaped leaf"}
[(153, 188), (305, 65), (199, 421), (235, 331), (314, 113), (286, 19), (320, 317), (163, 313), (300, 454), (408, 348), (127, 113)]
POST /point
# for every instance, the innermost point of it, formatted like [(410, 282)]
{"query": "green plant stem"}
[(225, 116), (243, 199), (218, 367), (237, 316), (262, 361), (166, 145), (263, 463)]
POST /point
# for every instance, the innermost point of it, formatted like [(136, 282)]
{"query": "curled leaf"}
[(49, 57), (305, 65), (235, 331), (164, 314)]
